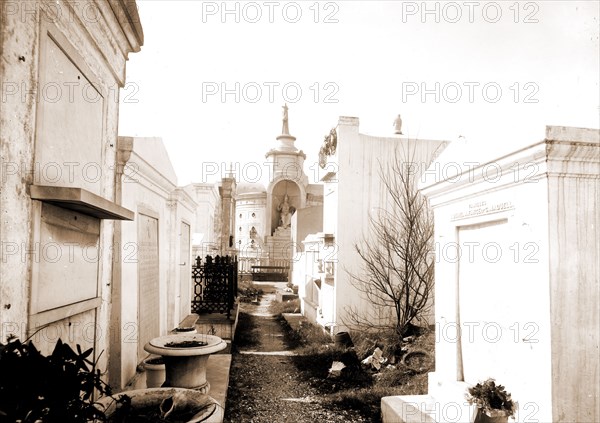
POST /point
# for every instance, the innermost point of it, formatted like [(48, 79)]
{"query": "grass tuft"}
[(290, 306), (249, 291)]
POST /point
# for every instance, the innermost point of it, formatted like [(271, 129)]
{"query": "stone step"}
[(407, 409), (281, 353), (425, 408)]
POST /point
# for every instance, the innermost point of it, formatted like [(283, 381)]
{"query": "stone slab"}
[(407, 409), (294, 319), (282, 296), (218, 324), (217, 374), (82, 201)]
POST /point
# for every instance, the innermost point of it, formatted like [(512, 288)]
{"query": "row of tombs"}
[(81, 256), (516, 229)]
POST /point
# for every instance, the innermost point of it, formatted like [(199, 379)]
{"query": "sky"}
[(212, 77)]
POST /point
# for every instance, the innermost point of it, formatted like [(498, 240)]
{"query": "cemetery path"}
[(264, 384)]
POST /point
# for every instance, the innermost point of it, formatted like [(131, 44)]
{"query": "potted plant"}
[(494, 404), (57, 388)]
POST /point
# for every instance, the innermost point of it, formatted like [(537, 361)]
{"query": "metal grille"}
[(215, 284)]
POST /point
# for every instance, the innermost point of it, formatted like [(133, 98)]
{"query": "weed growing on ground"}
[(307, 336), (360, 387), (290, 306), (248, 292), (246, 333)]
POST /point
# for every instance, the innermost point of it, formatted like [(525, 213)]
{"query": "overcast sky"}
[(212, 77)]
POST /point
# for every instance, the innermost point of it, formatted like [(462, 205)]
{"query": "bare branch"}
[(397, 276)]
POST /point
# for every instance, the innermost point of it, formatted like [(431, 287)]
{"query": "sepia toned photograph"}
[(299, 211)]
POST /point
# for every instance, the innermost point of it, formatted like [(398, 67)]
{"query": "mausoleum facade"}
[(351, 163)]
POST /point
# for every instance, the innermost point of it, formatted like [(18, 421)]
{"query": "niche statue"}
[(285, 212)]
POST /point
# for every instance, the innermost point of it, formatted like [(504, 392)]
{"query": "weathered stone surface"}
[(58, 119), (517, 272)]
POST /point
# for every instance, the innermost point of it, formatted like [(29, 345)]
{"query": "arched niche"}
[(278, 192)]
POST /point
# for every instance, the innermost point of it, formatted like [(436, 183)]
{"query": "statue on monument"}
[(285, 212), (285, 130), (398, 126)]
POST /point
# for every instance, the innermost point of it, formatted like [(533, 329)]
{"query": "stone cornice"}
[(147, 175), (554, 157), (251, 196), (276, 152), (568, 159), (134, 169), (127, 15), (179, 195), (113, 27), (348, 120)]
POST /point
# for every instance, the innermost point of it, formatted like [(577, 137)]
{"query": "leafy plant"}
[(491, 398), (48, 389)]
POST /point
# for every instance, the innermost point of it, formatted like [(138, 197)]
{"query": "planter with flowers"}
[(494, 404)]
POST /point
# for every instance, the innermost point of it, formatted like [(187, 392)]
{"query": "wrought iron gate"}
[(215, 284)]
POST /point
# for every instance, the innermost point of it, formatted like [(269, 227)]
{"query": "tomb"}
[(516, 290), (58, 122)]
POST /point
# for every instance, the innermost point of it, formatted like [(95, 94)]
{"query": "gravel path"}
[(264, 384)]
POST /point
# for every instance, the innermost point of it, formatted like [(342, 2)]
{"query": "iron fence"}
[(215, 284)]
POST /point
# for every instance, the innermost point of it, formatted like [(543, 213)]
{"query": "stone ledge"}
[(283, 296), (294, 319), (219, 324), (407, 409), (81, 201), (445, 402)]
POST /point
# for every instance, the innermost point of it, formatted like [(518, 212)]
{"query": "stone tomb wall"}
[(58, 126), (517, 276), (492, 301), (152, 278)]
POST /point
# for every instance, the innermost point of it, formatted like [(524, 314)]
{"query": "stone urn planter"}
[(155, 371), (155, 365), (185, 358), (174, 405), (493, 417), (187, 330)]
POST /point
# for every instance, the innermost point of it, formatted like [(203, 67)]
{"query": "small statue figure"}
[(398, 126), (285, 130), (286, 212), (253, 233)]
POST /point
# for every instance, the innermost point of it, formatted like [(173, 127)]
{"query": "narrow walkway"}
[(265, 386), (267, 329)]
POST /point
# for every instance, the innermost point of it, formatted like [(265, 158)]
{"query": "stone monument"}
[(516, 289), (286, 192)]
